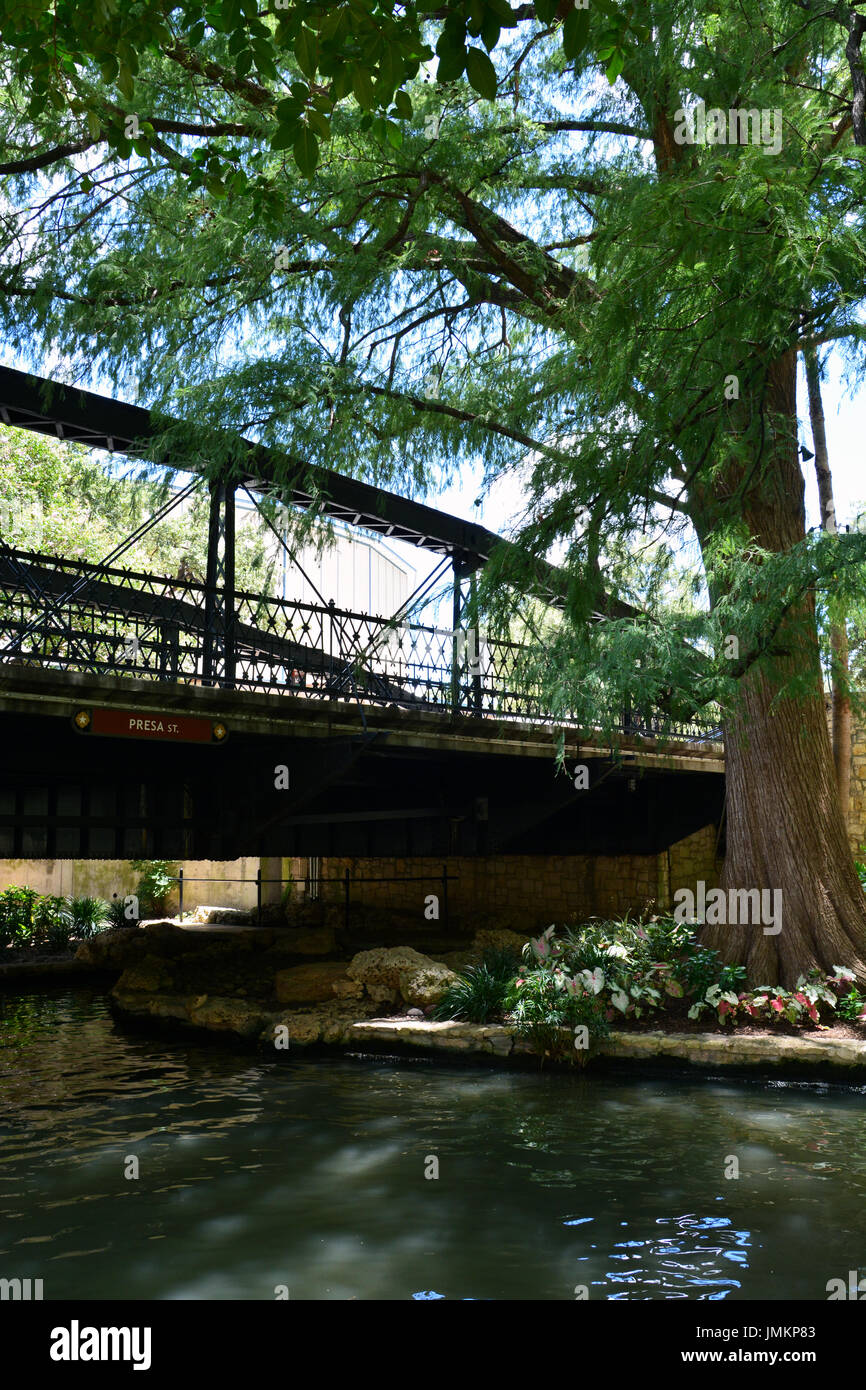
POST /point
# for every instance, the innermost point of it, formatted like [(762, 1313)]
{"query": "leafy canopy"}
[(541, 282), (366, 50)]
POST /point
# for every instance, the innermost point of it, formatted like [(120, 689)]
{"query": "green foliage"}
[(700, 970), (770, 1004), (852, 1007), (632, 970), (580, 327), (325, 53), (53, 923), (17, 906), (57, 499), (502, 961), (116, 914), (544, 1002), (155, 883), (478, 995), (27, 918), (88, 915)]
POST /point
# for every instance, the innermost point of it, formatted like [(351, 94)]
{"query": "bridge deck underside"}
[(351, 793)]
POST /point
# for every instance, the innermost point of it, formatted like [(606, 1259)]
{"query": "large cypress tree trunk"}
[(785, 826)]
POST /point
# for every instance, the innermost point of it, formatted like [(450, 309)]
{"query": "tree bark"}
[(838, 631), (785, 826)]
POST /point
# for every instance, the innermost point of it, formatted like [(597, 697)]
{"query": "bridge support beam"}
[(465, 646), (218, 652)]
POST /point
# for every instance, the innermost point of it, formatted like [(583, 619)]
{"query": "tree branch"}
[(588, 127), (465, 416), (856, 28)]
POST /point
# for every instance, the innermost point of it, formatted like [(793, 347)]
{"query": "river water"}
[(260, 1176)]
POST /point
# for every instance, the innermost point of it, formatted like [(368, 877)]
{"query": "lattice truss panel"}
[(70, 615)]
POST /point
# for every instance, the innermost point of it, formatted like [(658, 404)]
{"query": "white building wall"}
[(358, 572)]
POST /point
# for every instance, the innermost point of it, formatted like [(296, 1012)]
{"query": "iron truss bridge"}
[(67, 615)]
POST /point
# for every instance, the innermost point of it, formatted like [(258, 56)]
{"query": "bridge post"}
[(458, 648), (476, 647), (456, 613), (218, 651), (169, 649)]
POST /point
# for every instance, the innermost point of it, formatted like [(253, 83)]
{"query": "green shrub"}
[(638, 968), (668, 940), (700, 970), (770, 1004), (155, 884), (115, 913), (478, 995), (544, 1001), (88, 916), (27, 918), (587, 947), (600, 970), (16, 915), (852, 1007), (732, 977), (53, 923), (502, 961)]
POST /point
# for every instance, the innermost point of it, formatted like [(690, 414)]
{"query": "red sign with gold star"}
[(165, 728)]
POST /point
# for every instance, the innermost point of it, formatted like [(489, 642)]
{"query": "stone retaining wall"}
[(530, 889), (338, 1025), (695, 1049), (857, 796)]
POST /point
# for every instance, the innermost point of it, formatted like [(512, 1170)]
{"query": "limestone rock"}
[(173, 1008), (304, 1029), (148, 975), (449, 1037), (224, 1015), (458, 960), (310, 941), (348, 989), (426, 986), (391, 973), (326, 1023), (309, 984), (383, 966), (112, 949), (213, 1012), (499, 939), (166, 937), (227, 916), (381, 994)]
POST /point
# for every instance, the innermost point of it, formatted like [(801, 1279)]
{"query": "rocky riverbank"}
[(288, 988), (249, 981)]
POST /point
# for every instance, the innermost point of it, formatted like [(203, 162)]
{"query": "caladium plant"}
[(654, 964)]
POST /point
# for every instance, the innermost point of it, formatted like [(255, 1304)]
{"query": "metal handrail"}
[(115, 621)]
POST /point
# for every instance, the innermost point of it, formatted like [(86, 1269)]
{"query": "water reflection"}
[(257, 1172)]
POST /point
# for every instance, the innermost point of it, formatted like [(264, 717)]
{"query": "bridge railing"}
[(75, 616)]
